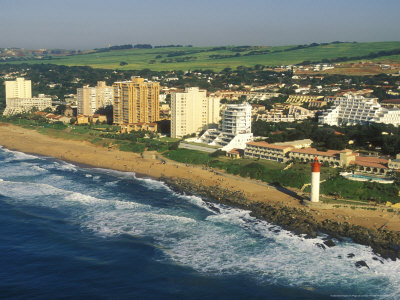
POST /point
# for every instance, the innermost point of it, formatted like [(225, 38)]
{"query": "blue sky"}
[(87, 24)]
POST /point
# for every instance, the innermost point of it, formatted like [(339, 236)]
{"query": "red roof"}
[(234, 151), (271, 146), (315, 152), (391, 101), (373, 162)]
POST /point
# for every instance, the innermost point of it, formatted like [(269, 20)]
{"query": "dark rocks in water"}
[(360, 264), (329, 243), (311, 235), (350, 255), (375, 258), (276, 231), (299, 221), (319, 245), (213, 208), (339, 256)]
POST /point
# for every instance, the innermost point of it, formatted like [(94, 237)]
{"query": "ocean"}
[(72, 232)]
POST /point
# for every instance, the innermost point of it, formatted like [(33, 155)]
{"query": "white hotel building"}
[(19, 98), (235, 130), (352, 110)]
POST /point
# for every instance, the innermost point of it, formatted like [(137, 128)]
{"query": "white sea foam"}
[(153, 183), (222, 241), (16, 155), (115, 173), (62, 166)]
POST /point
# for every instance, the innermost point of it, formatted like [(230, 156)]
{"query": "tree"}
[(60, 109), (107, 111), (164, 126)]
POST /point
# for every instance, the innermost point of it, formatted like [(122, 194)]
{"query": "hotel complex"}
[(192, 111), (136, 101), (19, 98), (91, 99), (235, 130), (352, 110)]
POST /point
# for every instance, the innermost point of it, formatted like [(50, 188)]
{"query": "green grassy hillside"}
[(218, 58)]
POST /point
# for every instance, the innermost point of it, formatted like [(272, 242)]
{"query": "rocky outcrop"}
[(297, 220)]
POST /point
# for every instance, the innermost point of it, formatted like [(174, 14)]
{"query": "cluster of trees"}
[(222, 56), (117, 47), (371, 55), (178, 59), (124, 47), (168, 46)]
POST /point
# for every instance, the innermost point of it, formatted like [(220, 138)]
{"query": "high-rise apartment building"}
[(192, 111), (19, 88), (91, 99), (136, 101)]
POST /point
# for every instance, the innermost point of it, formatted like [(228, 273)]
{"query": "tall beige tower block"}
[(192, 111), (19, 88), (136, 101), (91, 99)]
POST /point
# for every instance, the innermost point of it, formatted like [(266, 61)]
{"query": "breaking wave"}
[(207, 237)]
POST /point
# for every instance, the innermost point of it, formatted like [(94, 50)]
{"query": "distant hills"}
[(178, 57)]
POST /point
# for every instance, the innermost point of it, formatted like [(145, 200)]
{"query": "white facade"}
[(294, 113), (351, 110), (19, 88), (315, 182), (22, 105), (91, 99), (192, 111), (235, 129)]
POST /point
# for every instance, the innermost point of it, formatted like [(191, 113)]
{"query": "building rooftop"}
[(373, 162), (315, 152), (391, 101), (292, 143), (267, 145)]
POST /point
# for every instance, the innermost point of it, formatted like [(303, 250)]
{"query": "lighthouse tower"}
[(315, 178)]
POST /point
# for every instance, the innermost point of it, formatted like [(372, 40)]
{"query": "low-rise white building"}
[(351, 110), (294, 113), (23, 105), (235, 129)]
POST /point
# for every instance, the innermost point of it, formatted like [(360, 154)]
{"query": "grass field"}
[(199, 57)]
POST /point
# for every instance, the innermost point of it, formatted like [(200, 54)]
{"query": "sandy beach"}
[(151, 164)]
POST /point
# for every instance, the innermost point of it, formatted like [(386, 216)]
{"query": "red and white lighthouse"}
[(315, 180)]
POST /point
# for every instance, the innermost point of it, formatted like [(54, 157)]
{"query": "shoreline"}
[(378, 228)]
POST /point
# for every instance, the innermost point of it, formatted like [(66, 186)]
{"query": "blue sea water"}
[(69, 232)]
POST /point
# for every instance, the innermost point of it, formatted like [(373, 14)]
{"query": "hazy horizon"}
[(95, 24)]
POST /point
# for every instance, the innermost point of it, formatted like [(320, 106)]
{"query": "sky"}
[(88, 24)]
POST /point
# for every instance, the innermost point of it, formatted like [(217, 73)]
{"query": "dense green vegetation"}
[(218, 58), (189, 156), (348, 189)]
